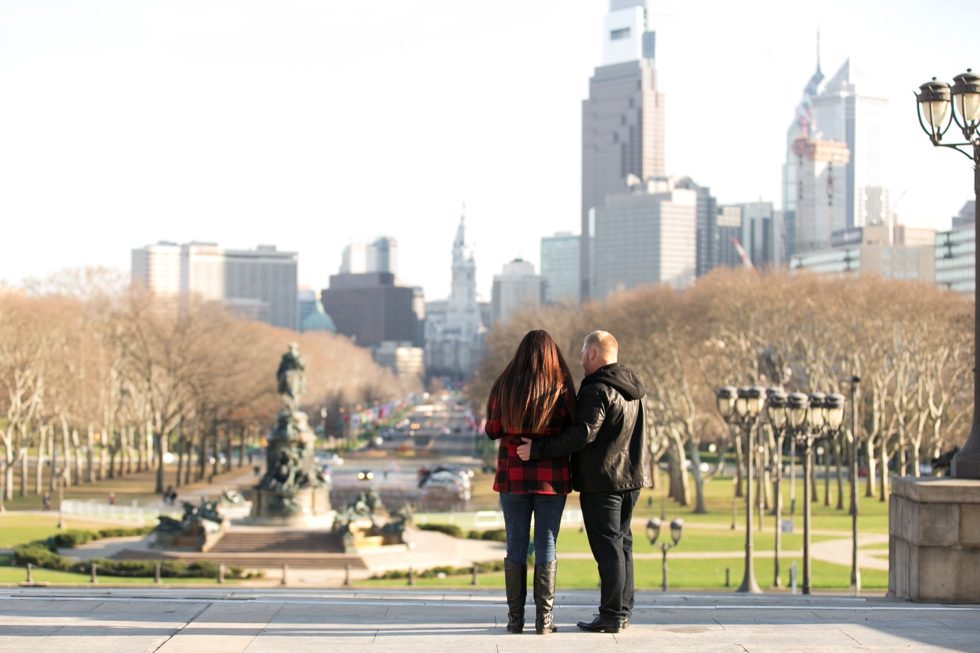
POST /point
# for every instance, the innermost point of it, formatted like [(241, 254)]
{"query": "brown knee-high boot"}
[(515, 579)]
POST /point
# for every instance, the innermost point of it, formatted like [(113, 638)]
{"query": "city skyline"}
[(131, 124)]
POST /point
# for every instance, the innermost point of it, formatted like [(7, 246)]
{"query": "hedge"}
[(39, 555)]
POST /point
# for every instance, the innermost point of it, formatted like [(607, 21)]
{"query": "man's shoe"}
[(602, 625)]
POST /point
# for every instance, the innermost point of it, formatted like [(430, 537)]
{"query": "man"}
[(610, 463)]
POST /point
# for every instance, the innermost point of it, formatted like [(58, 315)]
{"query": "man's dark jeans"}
[(607, 517)]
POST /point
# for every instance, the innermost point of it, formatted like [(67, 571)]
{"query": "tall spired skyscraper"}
[(802, 126), (846, 111), (623, 118)]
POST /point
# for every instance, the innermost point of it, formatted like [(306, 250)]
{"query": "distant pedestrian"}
[(46, 500), (112, 498), (257, 470)]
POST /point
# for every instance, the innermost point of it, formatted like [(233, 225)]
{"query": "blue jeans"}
[(547, 509)]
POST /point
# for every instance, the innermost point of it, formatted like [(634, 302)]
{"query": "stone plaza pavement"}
[(37, 620)]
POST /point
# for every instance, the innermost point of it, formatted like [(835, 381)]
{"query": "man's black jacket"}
[(608, 441)]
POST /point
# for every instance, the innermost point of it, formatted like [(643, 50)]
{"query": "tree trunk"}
[(53, 455), (90, 456), (884, 472), (160, 471), (43, 442), (189, 446), (103, 458), (870, 487), (23, 471), (180, 458), (76, 443), (699, 505), (241, 450)]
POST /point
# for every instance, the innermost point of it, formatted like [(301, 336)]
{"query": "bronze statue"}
[(292, 378)]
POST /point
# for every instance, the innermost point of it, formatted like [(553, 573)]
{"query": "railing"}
[(121, 513), (484, 519)]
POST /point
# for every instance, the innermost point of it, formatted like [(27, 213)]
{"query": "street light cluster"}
[(803, 418), (939, 106), (653, 532)]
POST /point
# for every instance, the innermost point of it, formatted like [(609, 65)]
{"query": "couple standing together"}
[(553, 442)]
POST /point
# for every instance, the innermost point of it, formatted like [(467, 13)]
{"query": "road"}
[(441, 434)]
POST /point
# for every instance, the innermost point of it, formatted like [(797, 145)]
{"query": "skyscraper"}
[(259, 283), (371, 308), (846, 111), (623, 118), (517, 287), (646, 235), (263, 279), (707, 232), (157, 267), (821, 200), (559, 266), (763, 237), (802, 125), (379, 256)]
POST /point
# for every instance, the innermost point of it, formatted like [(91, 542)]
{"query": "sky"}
[(312, 124)]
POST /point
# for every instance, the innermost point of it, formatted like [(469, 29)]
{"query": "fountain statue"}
[(294, 490)]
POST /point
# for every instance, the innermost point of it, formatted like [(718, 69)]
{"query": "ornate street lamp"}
[(742, 407), (936, 116), (776, 412), (653, 532)]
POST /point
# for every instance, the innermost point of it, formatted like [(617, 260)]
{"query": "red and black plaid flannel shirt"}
[(546, 476)]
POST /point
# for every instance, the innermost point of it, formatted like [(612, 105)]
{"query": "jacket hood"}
[(620, 377)]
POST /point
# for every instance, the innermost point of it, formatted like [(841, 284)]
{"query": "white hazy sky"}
[(309, 124)]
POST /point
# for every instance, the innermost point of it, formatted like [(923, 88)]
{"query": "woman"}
[(532, 398)]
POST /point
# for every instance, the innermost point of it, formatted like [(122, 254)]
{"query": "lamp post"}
[(776, 412), (742, 407), (61, 496), (936, 117), (855, 572), (653, 532)]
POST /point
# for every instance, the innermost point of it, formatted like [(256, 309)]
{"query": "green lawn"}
[(682, 574), (20, 529), (695, 540)]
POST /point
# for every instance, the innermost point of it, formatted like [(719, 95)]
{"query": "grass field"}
[(20, 529), (707, 574)]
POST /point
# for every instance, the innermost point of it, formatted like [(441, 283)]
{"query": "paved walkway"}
[(255, 621)]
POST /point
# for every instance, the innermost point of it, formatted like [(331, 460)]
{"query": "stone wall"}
[(934, 540)]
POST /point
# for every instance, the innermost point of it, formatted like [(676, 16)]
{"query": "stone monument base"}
[(934, 540), (308, 507)]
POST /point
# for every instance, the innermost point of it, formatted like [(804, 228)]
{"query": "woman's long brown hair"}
[(530, 386)]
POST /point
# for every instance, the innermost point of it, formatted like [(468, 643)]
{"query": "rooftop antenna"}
[(818, 46)]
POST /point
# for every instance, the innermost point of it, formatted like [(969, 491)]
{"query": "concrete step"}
[(252, 541), (249, 560)]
